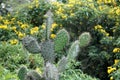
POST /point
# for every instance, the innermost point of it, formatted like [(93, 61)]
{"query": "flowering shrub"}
[(101, 18)]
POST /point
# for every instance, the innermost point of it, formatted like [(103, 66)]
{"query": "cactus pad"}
[(84, 39), (51, 72), (62, 64), (22, 72), (73, 51), (49, 22), (47, 50), (31, 44), (62, 38)]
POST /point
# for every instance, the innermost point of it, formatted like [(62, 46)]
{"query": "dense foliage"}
[(99, 17)]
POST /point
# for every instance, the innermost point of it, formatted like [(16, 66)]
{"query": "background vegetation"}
[(101, 18)]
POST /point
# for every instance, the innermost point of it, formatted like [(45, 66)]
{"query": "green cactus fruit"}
[(73, 51), (62, 64), (61, 40), (31, 44), (33, 75), (47, 51), (22, 72), (84, 39), (51, 72)]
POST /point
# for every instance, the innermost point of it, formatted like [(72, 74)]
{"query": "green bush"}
[(5, 74), (12, 56)]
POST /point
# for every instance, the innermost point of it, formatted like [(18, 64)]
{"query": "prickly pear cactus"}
[(33, 75), (84, 39), (31, 44), (62, 38), (47, 51), (73, 51), (22, 72), (51, 72), (62, 64)]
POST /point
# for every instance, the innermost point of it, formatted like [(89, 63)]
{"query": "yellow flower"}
[(116, 61), (102, 31), (90, 0), (111, 11), (110, 70), (38, 70), (111, 78), (13, 28), (101, 8), (54, 25), (52, 36), (107, 1), (51, 29), (99, 1), (56, 3), (64, 17), (21, 35), (115, 50), (6, 22), (72, 1), (3, 27), (34, 30), (107, 34), (24, 26), (98, 27), (60, 9), (36, 3), (43, 26), (14, 41), (19, 23), (70, 5), (58, 12), (118, 11), (13, 19)]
